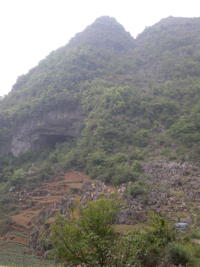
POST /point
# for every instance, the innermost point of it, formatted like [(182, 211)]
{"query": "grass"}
[(18, 255), (32, 265), (124, 228), (196, 234)]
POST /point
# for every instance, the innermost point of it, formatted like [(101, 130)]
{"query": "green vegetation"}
[(18, 255), (139, 188), (179, 254), (87, 238), (42, 264), (105, 104), (136, 96)]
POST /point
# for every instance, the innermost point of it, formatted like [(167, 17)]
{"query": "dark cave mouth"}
[(50, 140)]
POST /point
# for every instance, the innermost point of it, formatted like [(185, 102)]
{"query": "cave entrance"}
[(50, 140)]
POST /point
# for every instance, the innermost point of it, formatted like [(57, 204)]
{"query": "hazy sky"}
[(31, 29)]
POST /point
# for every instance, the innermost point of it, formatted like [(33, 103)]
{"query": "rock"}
[(46, 129), (11, 189), (181, 227)]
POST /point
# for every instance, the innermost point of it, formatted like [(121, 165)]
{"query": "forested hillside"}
[(105, 103), (112, 108)]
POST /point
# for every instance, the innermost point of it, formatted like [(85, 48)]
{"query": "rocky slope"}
[(171, 189)]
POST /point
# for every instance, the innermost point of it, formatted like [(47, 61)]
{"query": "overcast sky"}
[(31, 29)]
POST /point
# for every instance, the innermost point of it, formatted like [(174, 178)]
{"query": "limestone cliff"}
[(46, 129)]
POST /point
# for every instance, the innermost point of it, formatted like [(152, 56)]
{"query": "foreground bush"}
[(178, 254), (87, 238)]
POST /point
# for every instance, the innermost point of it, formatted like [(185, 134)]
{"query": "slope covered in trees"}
[(105, 103)]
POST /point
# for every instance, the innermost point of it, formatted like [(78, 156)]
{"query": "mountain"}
[(55, 83), (107, 95), (121, 110)]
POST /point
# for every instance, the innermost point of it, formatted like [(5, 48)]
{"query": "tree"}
[(150, 245), (87, 238)]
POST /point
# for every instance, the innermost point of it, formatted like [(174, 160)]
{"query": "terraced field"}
[(14, 246)]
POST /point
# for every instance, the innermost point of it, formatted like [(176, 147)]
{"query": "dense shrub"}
[(179, 254), (136, 189), (87, 238)]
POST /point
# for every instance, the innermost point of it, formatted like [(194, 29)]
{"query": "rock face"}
[(5, 136), (47, 129)]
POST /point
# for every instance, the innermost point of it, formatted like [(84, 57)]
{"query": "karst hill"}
[(107, 98), (109, 107)]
